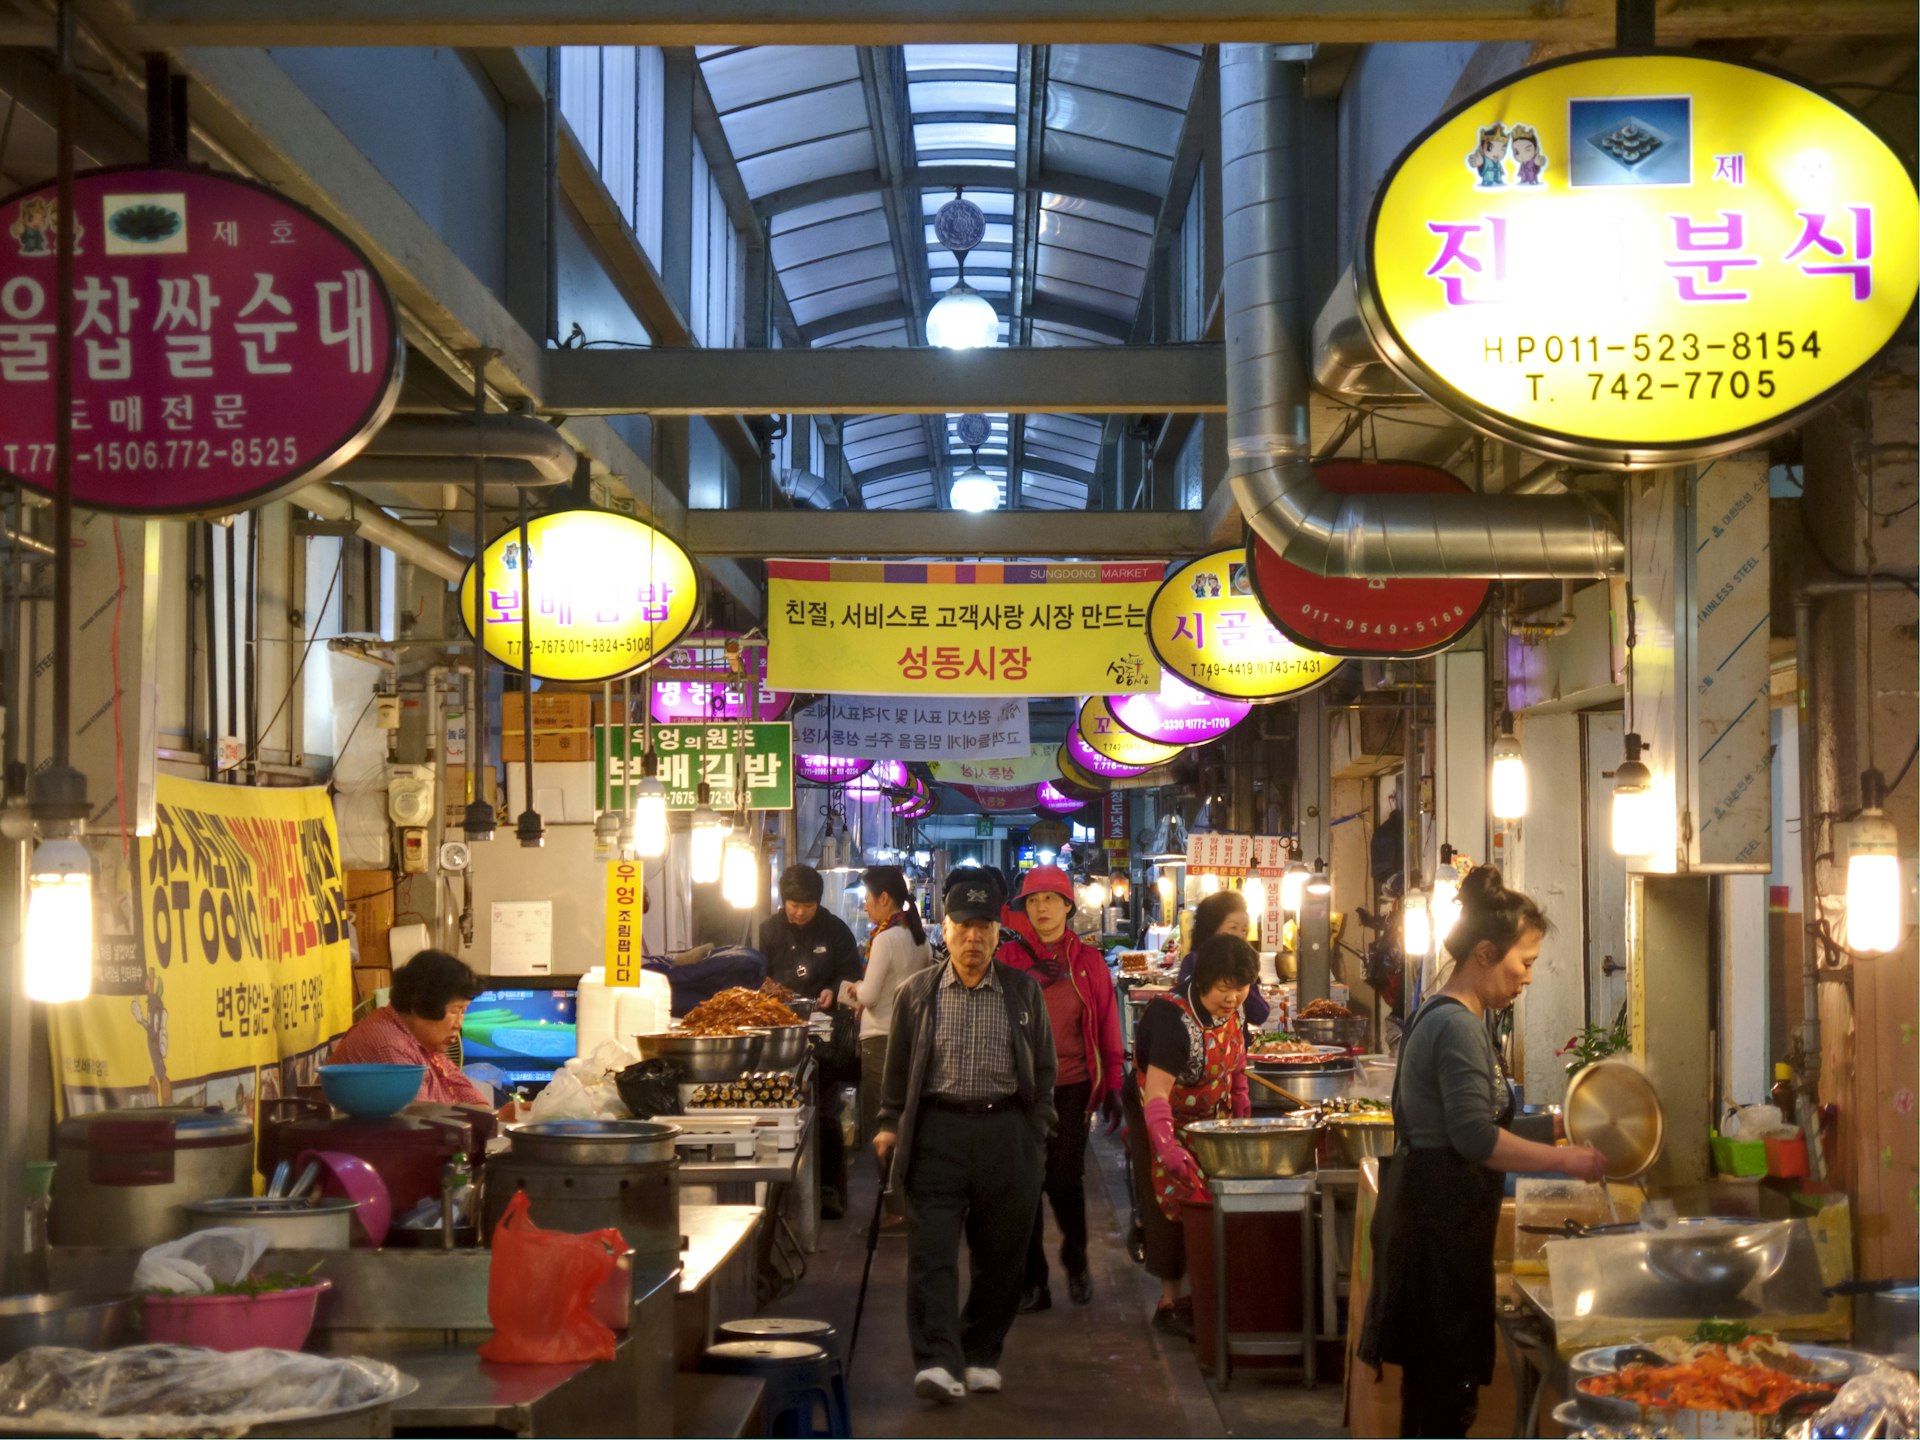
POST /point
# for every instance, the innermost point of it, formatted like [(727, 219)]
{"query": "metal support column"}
[(1312, 792)]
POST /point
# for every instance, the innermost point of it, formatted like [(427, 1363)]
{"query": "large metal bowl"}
[(71, 1318), (1717, 1258), (1263, 1148), (1611, 1106), (594, 1142), (706, 1059), (784, 1046), (1356, 1139), (1311, 1085)]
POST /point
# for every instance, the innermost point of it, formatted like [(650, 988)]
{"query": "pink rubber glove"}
[(1240, 1104), (1167, 1147)]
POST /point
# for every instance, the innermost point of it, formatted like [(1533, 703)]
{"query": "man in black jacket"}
[(813, 953), (965, 1112)]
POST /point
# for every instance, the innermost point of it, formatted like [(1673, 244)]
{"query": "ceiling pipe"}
[(371, 523), (1346, 362), (1269, 457), (438, 449), (811, 492)]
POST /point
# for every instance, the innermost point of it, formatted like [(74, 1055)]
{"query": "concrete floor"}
[(1070, 1371)]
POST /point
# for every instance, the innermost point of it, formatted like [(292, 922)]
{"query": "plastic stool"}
[(806, 1332), (799, 1380)]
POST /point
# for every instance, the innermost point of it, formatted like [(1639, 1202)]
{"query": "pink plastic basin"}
[(277, 1321)]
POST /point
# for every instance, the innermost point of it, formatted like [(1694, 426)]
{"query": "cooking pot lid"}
[(190, 1125), (1613, 1107)]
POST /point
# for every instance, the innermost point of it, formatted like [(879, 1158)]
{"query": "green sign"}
[(983, 828), (723, 755)]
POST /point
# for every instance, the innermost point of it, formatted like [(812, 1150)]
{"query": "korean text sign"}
[(228, 344), (986, 629), (726, 756), (607, 595), (625, 905), (1207, 626), (230, 955), (1640, 259), (988, 728)]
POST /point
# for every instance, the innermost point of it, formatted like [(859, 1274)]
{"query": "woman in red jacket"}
[(1085, 1016)]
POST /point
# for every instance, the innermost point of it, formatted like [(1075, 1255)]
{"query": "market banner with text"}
[(224, 966), (1032, 766), (989, 728), (870, 628)]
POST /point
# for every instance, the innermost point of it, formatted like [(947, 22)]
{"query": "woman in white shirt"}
[(896, 948)]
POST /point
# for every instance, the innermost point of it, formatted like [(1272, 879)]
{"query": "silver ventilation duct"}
[(810, 491), (1269, 455)]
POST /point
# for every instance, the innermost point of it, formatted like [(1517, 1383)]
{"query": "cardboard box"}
[(370, 897), (562, 728)]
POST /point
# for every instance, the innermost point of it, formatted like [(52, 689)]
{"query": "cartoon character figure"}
[(1486, 159), (1528, 160), (150, 1014)]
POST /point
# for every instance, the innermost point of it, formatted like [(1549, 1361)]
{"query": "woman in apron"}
[(1431, 1310), (1189, 1063)]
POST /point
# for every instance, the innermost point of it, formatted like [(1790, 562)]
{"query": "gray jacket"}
[(910, 1050)]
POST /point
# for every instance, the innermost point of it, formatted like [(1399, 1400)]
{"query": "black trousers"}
[(1437, 1400), (1065, 1186), (976, 1176), (833, 1144)]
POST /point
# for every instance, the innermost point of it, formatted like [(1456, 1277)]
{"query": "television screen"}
[(526, 1034)]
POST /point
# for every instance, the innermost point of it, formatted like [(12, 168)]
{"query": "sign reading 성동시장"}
[(1207, 627), (1640, 259), (224, 967), (228, 343), (726, 756), (959, 629), (608, 595)]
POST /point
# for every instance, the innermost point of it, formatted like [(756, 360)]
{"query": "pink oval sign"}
[(1053, 798), (229, 345), (1094, 763), (997, 800), (1176, 713)]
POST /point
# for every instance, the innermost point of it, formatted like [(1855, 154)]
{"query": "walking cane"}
[(866, 1273)]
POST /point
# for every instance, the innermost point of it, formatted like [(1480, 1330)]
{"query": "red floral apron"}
[(1224, 1052)]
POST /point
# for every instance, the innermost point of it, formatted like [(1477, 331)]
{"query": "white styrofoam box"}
[(563, 791)]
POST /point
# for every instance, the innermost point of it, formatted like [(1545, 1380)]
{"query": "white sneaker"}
[(983, 1381), (938, 1384)]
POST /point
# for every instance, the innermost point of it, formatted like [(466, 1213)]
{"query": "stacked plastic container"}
[(607, 1013)]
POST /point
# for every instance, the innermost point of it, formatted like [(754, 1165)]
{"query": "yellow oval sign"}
[(1107, 737), (1640, 259), (1207, 627), (608, 595)]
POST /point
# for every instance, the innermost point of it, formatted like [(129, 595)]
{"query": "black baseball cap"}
[(973, 894)]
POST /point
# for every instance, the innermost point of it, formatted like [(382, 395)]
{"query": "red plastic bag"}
[(540, 1292)]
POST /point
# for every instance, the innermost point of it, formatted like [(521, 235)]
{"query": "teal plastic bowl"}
[(371, 1090)]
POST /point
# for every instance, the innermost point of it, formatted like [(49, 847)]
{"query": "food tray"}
[(1303, 1060), (1835, 1366)]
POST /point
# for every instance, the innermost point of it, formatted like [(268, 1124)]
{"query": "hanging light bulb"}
[(1254, 891), (1632, 803), (59, 934), (739, 878), (1319, 882), (1874, 923), (1293, 886), (709, 835), (650, 810), (1446, 903), (1416, 925), (962, 319), (1507, 790), (1209, 884), (974, 491), (1164, 885)]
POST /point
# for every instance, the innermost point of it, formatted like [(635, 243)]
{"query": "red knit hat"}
[(1050, 878)]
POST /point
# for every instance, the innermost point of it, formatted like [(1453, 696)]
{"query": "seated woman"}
[(1190, 1063), (425, 1007), (1224, 913)]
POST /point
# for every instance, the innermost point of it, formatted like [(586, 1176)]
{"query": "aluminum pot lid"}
[(623, 1132), (1613, 1107), (190, 1126)]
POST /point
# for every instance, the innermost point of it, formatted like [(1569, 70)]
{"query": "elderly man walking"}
[(965, 1112)]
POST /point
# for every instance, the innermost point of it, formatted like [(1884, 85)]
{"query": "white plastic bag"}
[(565, 1098), (195, 1264), (608, 1059)]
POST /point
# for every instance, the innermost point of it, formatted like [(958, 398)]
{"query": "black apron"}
[(1433, 1233)]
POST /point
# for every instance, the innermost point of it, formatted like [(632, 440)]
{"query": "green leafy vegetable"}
[(1721, 1332)]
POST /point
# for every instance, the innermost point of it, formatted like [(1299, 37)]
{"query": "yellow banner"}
[(986, 629), (624, 908), (223, 966)]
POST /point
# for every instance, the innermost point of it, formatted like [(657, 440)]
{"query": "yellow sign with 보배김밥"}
[(1641, 259), (222, 964), (1053, 628), (1207, 626), (608, 595), (625, 905)]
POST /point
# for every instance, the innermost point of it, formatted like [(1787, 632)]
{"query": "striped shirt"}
[(972, 1057)]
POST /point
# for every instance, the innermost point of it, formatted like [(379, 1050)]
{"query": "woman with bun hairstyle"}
[(1431, 1310)]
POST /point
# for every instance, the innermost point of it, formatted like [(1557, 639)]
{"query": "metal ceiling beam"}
[(1099, 380), (945, 177), (469, 23), (853, 534)]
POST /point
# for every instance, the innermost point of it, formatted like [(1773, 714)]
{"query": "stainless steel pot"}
[(1884, 1324), (704, 1059), (594, 1142), (782, 1047), (1256, 1149), (320, 1224), (1310, 1084), (642, 1202), (68, 1318), (126, 1176)]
